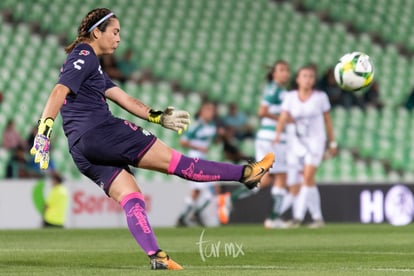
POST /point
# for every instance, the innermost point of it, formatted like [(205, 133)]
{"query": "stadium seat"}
[(363, 173)]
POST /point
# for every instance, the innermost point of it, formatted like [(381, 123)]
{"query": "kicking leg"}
[(164, 159)]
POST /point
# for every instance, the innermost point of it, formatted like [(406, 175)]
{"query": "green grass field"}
[(337, 249)]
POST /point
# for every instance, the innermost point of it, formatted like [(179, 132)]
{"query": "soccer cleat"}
[(316, 224), (253, 172), (181, 222), (224, 207), (160, 260), (293, 224), (274, 224)]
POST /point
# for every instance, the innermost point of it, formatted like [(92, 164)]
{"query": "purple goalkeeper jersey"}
[(85, 106)]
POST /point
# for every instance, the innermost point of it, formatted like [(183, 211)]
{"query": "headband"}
[(100, 21)]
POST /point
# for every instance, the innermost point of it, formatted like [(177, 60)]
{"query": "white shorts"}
[(302, 153), (294, 175), (280, 150), (305, 152)]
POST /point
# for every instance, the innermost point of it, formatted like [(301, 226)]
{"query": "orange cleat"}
[(253, 172), (161, 260)]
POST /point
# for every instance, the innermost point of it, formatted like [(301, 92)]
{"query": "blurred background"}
[(179, 52)]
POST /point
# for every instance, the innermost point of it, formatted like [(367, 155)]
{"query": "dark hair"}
[(10, 122), (306, 67), (87, 22), (204, 103), (269, 75), (57, 177)]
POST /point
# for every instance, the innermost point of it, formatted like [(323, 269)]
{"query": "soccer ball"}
[(354, 71)]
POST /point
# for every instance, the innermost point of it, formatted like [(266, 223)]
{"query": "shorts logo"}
[(101, 184), (84, 53), (146, 132), (131, 125)]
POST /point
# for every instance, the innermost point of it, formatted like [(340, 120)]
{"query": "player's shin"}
[(300, 204), (314, 204), (277, 199), (201, 170), (287, 202), (138, 223)]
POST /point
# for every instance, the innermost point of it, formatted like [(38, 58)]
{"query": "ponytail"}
[(72, 45), (269, 75)]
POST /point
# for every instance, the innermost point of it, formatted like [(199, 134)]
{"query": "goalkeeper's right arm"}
[(41, 143)]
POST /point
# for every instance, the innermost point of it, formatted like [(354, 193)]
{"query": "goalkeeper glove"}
[(177, 120), (41, 143)]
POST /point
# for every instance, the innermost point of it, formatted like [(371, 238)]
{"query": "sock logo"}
[(139, 213), (190, 173)]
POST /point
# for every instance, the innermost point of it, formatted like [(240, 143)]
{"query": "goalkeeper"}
[(103, 146)]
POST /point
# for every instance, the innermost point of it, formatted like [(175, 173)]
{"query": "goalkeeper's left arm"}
[(177, 120), (40, 148)]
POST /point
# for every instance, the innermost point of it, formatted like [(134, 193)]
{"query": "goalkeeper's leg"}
[(162, 158), (125, 190)]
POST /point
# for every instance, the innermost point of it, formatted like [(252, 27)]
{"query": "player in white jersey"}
[(309, 110), (198, 140), (269, 110)]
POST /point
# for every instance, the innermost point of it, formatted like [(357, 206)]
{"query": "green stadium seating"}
[(221, 48)]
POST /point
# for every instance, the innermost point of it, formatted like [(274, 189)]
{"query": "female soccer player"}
[(103, 146), (198, 139), (269, 111), (309, 109)]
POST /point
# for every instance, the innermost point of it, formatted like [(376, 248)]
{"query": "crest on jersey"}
[(84, 53)]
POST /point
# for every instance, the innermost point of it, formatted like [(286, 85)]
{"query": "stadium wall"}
[(359, 203), (21, 204)]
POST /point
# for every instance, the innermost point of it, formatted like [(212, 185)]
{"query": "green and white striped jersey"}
[(273, 95), (200, 134)]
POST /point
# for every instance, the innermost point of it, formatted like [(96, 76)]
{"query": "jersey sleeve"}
[(326, 105), (77, 68), (108, 82), (270, 95), (266, 95), (286, 103)]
